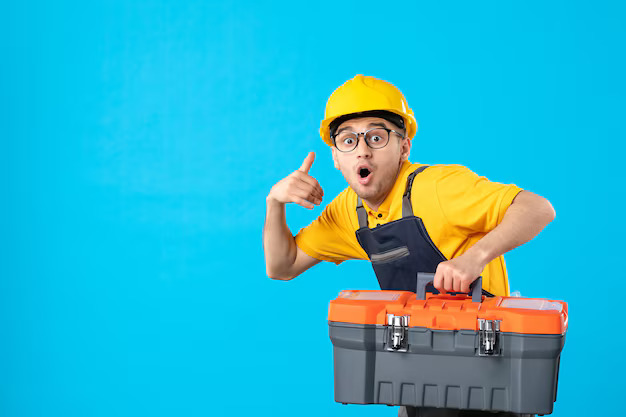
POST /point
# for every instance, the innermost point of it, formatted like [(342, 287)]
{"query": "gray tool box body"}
[(442, 369), (447, 351)]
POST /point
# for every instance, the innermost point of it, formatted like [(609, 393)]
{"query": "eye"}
[(375, 139), (348, 141)]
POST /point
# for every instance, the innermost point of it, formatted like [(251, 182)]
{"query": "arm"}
[(283, 259), (524, 219)]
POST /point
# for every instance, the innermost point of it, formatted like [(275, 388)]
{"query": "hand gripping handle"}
[(425, 278)]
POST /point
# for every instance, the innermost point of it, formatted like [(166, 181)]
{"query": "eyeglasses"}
[(375, 138)]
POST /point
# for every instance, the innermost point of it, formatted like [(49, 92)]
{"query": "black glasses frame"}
[(358, 138)]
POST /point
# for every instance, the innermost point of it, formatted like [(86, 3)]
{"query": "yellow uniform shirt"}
[(457, 207)]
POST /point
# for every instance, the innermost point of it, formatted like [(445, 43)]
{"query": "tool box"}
[(447, 351)]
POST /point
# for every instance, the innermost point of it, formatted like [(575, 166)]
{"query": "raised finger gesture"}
[(299, 187)]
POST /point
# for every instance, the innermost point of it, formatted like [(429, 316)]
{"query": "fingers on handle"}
[(306, 164), (448, 281), (438, 281)]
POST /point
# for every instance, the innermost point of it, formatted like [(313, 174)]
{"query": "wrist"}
[(273, 202), (480, 254)]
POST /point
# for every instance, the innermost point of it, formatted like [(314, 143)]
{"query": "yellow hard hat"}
[(364, 94)]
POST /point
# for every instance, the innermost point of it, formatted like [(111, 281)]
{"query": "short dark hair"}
[(383, 114)]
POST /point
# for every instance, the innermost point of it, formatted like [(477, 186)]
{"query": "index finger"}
[(438, 281), (306, 164)]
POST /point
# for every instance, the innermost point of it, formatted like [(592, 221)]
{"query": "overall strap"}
[(361, 213), (407, 207)]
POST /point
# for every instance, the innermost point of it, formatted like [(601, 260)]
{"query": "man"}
[(470, 220), (405, 218)]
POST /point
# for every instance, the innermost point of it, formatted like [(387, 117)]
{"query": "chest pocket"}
[(401, 248), (390, 255)]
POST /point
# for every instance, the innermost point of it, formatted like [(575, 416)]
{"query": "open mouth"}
[(364, 172), (364, 175)]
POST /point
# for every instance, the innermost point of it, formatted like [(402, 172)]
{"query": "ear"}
[(334, 152), (405, 149)]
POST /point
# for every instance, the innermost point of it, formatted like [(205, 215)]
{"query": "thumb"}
[(306, 164)]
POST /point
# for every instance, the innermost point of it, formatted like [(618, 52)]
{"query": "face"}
[(371, 173)]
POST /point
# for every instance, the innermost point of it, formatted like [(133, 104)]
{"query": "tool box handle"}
[(425, 278)]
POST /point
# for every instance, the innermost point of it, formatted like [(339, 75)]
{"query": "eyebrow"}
[(342, 129), (373, 124)]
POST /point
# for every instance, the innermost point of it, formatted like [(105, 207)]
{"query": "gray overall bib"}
[(399, 250)]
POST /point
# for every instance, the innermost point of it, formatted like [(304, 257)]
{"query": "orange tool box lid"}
[(450, 312)]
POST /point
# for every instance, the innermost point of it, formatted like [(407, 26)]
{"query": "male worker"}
[(405, 218)]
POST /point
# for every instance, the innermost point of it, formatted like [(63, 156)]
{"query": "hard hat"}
[(364, 94)]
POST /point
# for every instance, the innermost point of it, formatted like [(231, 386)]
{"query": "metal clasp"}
[(489, 338), (397, 333)]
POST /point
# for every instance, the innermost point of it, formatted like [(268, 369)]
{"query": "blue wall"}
[(138, 143)]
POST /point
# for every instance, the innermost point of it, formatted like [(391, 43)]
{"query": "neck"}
[(375, 203)]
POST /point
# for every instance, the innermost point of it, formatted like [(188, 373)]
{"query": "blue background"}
[(138, 143)]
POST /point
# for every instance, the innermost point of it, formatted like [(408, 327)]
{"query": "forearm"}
[(523, 220), (278, 242)]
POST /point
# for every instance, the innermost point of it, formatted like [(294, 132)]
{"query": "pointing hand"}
[(298, 187)]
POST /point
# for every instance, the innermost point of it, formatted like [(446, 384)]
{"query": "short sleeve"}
[(473, 203), (331, 236)]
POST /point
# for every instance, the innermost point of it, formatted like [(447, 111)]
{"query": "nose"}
[(362, 150)]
